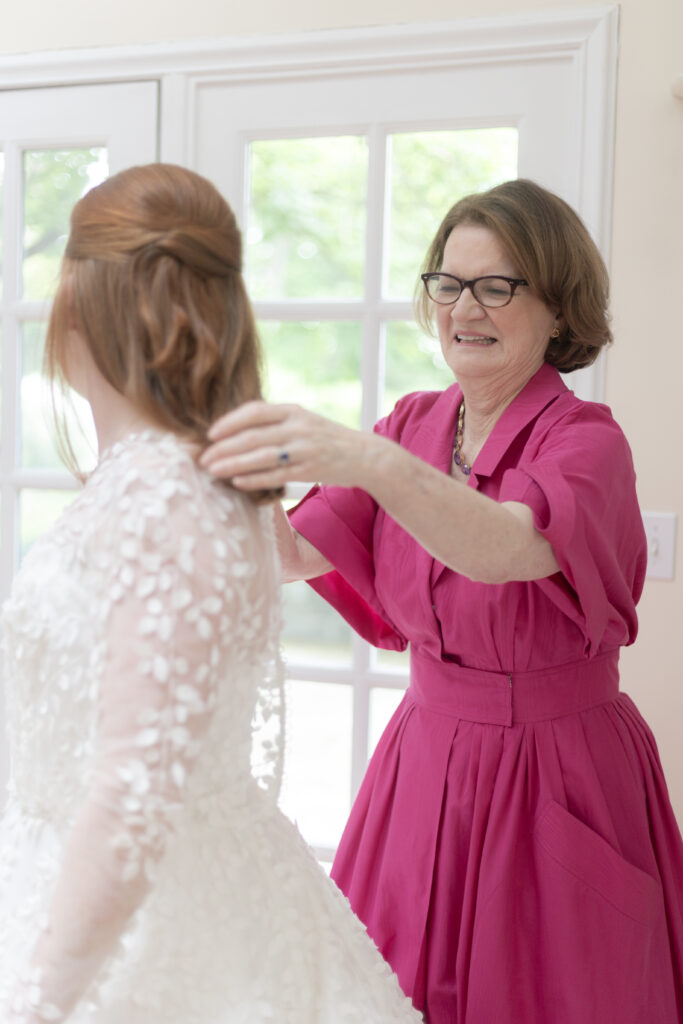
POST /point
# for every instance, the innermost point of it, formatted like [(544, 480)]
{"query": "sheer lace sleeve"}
[(173, 599)]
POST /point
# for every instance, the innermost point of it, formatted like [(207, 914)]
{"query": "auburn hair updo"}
[(151, 279)]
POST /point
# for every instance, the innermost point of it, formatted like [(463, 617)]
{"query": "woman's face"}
[(502, 347)]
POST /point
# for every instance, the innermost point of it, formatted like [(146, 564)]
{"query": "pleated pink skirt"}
[(513, 852)]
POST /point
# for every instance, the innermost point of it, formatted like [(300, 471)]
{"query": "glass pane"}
[(428, 172), (306, 218), (53, 181), (38, 511), (313, 633), (38, 438), (316, 365), (383, 703), (397, 662), (316, 791), (412, 362)]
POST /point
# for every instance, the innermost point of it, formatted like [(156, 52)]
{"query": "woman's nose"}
[(466, 306)]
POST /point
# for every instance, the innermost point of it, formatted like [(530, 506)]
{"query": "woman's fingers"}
[(246, 441), (268, 458), (251, 414), (273, 443), (253, 428), (262, 445), (262, 481)]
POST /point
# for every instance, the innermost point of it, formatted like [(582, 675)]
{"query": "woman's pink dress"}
[(512, 849)]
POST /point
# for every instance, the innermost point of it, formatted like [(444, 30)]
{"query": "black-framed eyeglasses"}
[(492, 290)]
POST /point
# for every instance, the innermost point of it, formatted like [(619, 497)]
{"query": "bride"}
[(146, 873)]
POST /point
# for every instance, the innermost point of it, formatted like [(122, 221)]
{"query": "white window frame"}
[(60, 118), (82, 127), (585, 40)]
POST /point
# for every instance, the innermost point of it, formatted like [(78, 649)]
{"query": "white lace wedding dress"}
[(146, 874)]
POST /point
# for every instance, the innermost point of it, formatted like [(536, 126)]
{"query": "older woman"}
[(512, 849)]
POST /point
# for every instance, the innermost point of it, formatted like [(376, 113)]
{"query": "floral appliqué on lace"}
[(146, 873)]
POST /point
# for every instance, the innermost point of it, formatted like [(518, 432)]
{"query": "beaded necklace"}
[(458, 457)]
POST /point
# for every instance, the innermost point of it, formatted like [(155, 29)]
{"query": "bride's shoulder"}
[(142, 458), (155, 476)]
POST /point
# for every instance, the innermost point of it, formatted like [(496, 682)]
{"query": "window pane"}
[(38, 436), (306, 218), (53, 181), (316, 365), (428, 172), (317, 786), (412, 362), (391, 661), (383, 703), (38, 511), (314, 633)]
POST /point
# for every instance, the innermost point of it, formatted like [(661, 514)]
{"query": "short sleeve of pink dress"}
[(343, 519), (576, 474)]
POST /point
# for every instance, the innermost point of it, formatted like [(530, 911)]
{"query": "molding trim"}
[(527, 37)]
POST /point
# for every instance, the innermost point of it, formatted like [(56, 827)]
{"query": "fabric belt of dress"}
[(509, 698)]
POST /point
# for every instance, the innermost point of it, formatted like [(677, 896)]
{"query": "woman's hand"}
[(260, 445)]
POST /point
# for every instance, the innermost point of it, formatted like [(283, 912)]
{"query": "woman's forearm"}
[(299, 559), (466, 531)]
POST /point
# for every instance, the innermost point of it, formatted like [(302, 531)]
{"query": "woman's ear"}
[(558, 326)]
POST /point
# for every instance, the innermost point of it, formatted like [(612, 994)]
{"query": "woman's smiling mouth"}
[(473, 339)]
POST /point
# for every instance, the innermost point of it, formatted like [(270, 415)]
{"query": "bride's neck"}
[(115, 416)]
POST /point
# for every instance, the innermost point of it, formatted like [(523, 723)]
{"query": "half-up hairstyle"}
[(151, 278)]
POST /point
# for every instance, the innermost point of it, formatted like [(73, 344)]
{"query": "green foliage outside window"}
[(314, 364), (54, 180), (413, 362), (306, 226), (428, 173), (306, 237)]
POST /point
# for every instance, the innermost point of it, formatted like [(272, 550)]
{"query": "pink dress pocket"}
[(601, 928), (572, 934), (592, 863)]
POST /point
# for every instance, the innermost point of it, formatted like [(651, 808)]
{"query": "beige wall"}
[(646, 363)]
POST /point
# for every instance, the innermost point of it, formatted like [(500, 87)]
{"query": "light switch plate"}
[(660, 529)]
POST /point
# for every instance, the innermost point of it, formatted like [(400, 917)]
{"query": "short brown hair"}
[(550, 247), (152, 278)]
